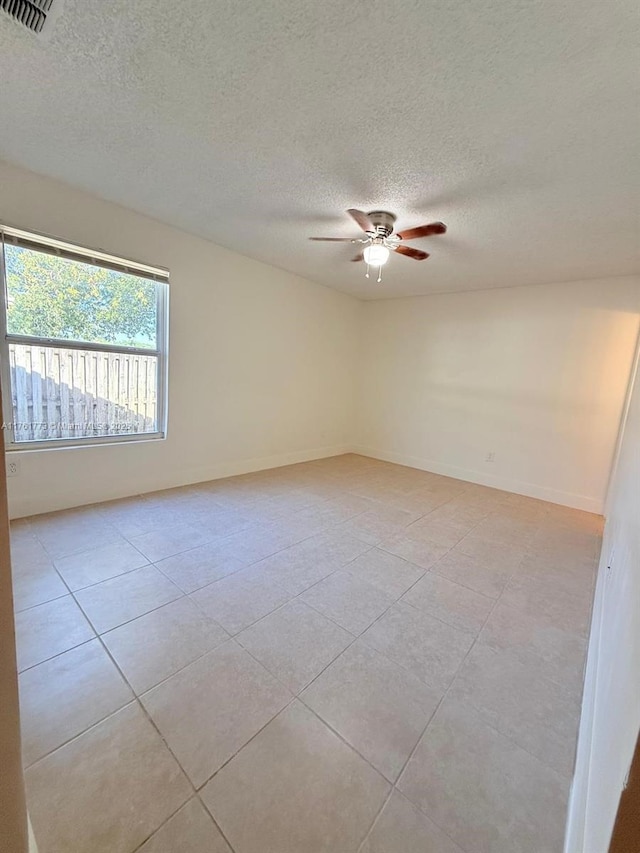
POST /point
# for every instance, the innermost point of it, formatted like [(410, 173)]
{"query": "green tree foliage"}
[(54, 297)]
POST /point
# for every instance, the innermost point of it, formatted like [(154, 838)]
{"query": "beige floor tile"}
[(67, 533), (64, 696), (420, 553), (282, 533), (208, 710), (575, 519), (27, 552), (158, 644), (180, 514), (190, 830), (522, 508), (427, 647), (338, 510), (89, 515), (295, 569), (347, 600), (239, 600), (445, 533), (136, 516), (545, 649), (495, 554), (389, 573), (454, 604), (350, 505), (295, 643), (382, 489), (167, 541), (35, 584), (489, 794), (564, 518), (555, 551), (177, 498), (459, 511), (282, 506), (219, 522), (21, 531), (575, 575), (549, 538), (336, 546), (198, 567), (99, 564), (49, 629), (376, 525), (417, 502), (484, 497), (253, 544), (506, 531), (402, 828), (485, 578), (107, 790), (308, 790), (446, 489), (232, 555), (553, 604), (536, 713), (374, 704), (302, 565), (315, 519), (118, 600)]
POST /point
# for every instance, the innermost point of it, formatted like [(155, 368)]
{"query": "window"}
[(83, 350)]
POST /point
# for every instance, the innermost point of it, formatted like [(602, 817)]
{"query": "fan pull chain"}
[(366, 275)]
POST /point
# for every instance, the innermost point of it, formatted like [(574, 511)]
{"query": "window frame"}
[(97, 257)]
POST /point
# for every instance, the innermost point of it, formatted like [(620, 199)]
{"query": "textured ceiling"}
[(257, 123)]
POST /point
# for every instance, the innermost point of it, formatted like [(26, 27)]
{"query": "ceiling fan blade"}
[(334, 239), (423, 231), (362, 219), (416, 254), (359, 257)]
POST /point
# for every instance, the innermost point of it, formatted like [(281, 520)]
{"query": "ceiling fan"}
[(380, 239)]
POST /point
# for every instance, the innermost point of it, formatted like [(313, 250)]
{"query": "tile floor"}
[(342, 656)]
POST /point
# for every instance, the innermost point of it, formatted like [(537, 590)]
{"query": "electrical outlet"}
[(491, 457), (13, 467)]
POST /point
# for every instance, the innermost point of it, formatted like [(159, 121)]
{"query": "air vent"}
[(32, 13)]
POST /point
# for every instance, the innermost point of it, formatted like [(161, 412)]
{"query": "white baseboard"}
[(263, 463), (89, 493), (33, 504), (530, 490)]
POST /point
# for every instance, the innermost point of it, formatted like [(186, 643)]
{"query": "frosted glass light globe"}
[(376, 255)]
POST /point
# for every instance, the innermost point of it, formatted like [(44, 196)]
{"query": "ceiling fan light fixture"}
[(376, 255), (379, 240)]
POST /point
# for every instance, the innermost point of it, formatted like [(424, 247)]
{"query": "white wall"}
[(272, 356), (535, 375), (611, 705)]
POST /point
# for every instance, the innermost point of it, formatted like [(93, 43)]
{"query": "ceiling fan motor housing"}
[(383, 222)]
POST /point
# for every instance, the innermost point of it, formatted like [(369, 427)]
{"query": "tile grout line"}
[(188, 595), (399, 777), (98, 635), (392, 784), (333, 527), (296, 696), (137, 700), (420, 738), (151, 721)]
